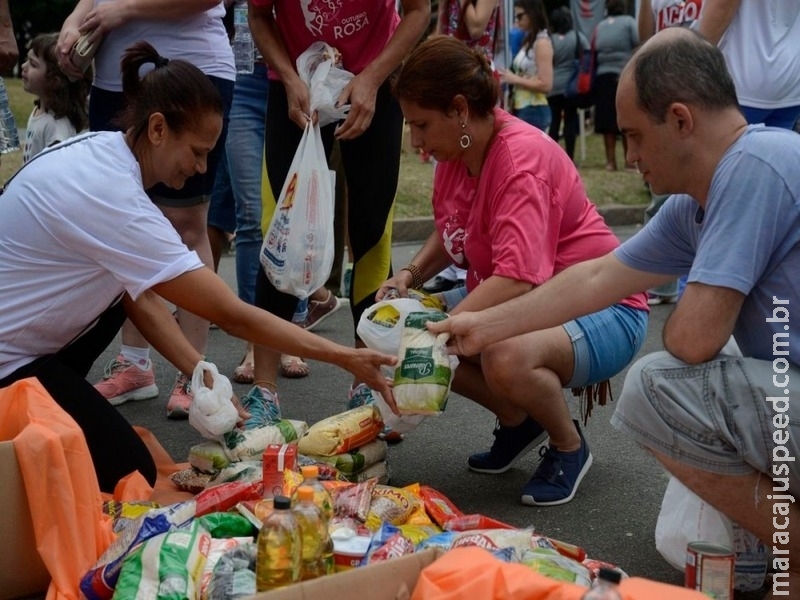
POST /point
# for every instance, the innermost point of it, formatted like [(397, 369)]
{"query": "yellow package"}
[(343, 432)]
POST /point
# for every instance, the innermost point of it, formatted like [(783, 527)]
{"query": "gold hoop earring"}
[(465, 141)]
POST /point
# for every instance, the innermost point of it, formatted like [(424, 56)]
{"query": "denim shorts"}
[(604, 342), (714, 416)]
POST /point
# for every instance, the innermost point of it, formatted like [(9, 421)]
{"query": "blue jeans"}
[(772, 117), (244, 149), (538, 116), (719, 416), (605, 342)]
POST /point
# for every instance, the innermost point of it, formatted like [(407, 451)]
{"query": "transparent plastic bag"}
[(297, 252), (320, 68)]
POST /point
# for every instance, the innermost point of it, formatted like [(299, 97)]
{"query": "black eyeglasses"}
[(518, 16)]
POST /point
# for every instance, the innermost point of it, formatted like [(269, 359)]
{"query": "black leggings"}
[(115, 447), (561, 104), (371, 165)]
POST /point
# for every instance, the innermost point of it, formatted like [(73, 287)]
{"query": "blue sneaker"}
[(558, 475), (361, 395), (263, 407), (510, 444)]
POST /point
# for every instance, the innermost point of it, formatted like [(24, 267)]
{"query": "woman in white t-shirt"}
[(82, 246)]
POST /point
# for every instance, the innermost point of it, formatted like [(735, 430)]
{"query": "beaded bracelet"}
[(416, 275)]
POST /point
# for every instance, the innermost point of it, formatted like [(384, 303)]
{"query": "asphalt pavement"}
[(612, 516)]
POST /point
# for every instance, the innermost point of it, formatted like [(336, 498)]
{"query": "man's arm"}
[(702, 322), (715, 18), (582, 289)]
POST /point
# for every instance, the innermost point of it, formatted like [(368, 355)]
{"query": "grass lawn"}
[(414, 193)]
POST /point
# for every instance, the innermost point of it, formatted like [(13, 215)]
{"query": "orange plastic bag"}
[(70, 528), (472, 572)]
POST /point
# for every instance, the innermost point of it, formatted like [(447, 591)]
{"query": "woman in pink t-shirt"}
[(510, 207)]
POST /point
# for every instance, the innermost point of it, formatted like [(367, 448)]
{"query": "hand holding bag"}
[(297, 252), (83, 52)]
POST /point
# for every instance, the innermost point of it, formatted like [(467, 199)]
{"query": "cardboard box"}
[(396, 579), (388, 580), (22, 571)]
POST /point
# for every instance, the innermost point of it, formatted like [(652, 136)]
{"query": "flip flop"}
[(293, 367), (245, 372)]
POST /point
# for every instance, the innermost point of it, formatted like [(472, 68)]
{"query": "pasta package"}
[(425, 369)]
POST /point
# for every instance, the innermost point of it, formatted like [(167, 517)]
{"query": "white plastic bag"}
[(297, 252), (381, 325), (686, 518), (320, 68), (212, 413)]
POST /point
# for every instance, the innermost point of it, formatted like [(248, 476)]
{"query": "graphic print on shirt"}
[(320, 14), (453, 236), (678, 13)]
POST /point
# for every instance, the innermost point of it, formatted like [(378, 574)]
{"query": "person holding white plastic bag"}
[(372, 40)]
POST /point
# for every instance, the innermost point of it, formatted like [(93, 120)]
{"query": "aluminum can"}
[(709, 569)]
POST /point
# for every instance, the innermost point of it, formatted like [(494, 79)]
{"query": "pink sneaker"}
[(123, 381), (181, 398)]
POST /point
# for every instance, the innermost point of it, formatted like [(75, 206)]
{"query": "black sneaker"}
[(510, 444)]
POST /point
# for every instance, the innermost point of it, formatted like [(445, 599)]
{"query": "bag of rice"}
[(425, 371), (357, 459), (342, 432), (250, 444)]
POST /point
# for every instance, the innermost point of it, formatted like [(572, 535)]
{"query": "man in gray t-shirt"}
[(723, 420)]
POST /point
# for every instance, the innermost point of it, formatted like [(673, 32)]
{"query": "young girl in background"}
[(60, 110)]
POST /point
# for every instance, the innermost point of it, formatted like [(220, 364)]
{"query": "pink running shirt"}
[(359, 29)]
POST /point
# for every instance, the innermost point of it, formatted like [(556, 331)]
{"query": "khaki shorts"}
[(715, 416)]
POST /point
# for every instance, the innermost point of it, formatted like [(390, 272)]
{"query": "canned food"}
[(709, 569)]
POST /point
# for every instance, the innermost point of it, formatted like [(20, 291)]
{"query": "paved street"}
[(613, 515)]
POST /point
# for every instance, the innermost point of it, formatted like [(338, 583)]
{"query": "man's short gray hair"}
[(686, 68)]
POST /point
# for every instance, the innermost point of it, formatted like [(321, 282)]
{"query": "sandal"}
[(245, 372), (293, 367)]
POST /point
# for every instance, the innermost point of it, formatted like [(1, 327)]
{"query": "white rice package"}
[(425, 369)]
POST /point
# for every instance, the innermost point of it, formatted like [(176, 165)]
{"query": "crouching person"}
[(727, 426)]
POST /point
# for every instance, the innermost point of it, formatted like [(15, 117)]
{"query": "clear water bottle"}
[(9, 136), (279, 548), (605, 587), (243, 46)]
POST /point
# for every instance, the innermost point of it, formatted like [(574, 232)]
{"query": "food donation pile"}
[(206, 547)]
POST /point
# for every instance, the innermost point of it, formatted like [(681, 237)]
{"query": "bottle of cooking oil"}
[(279, 548), (322, 499), (313, 530)]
